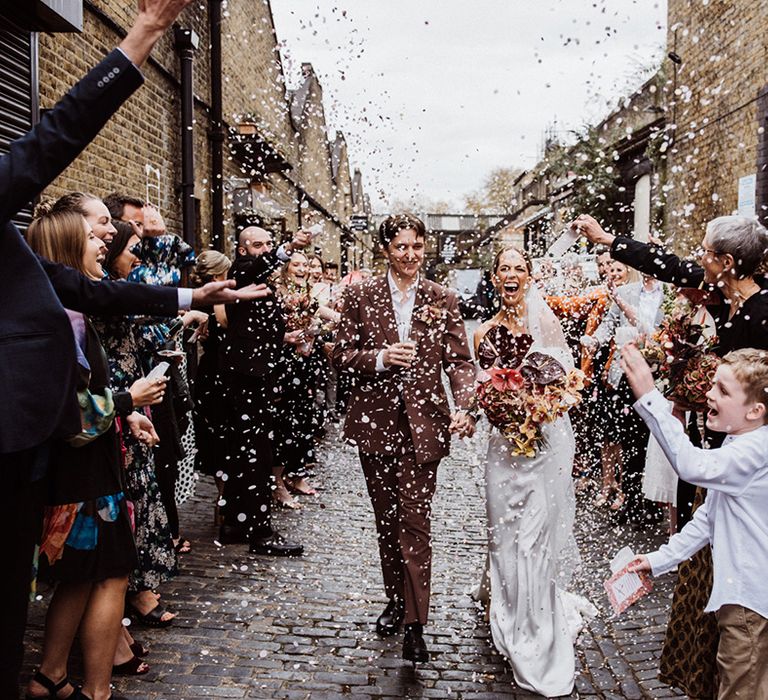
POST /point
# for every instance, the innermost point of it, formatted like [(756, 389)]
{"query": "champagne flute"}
[(408, 374)]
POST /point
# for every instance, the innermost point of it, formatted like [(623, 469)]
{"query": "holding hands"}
[(462, 424)]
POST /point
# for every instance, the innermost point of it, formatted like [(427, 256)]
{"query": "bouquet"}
[(681, 356), (300, 311), (518, 401)]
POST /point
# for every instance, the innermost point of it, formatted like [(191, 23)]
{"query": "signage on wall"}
[(747, 188)]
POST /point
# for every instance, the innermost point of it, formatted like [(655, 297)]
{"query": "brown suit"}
[(401, 428)]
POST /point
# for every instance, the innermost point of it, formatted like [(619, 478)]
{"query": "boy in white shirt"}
[(733, 519)]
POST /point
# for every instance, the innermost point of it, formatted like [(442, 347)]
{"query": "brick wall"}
[(724, 66), (147, 128)]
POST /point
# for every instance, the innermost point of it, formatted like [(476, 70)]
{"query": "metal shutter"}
[(17, 85)]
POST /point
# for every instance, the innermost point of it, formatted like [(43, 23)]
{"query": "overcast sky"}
[(433, 94)]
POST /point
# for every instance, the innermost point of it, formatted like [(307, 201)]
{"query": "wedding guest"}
[(315, 270), (209, 391), (296, 381), (248, 358), (636, 310), (733, 519), (33, 297), (93, 209), (88, 546), (729, 271), (597, 360), (144, 218), (157, 558)]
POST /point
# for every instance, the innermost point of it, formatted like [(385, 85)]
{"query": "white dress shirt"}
[(402, 304), (648, 307), (734, 517)]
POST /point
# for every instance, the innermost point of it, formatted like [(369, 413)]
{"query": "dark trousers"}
[(21, 518), (633, 436), (401, 493), (248, 463)]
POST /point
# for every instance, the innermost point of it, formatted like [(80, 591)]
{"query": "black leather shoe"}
[(414, 647), (233, 534), (390, 620), (276, 546)]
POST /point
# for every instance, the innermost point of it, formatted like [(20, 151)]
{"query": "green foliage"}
[(590, 168)]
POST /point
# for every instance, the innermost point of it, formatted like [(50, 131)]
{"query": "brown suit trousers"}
[(401, 492)]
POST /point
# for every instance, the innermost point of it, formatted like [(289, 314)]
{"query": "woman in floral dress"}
[(157, 558)]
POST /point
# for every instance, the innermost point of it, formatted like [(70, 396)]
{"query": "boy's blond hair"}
[(750, 367)]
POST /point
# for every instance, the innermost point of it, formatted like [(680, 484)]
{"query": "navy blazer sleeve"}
[(653, 260), (75, 291), (37, 158)]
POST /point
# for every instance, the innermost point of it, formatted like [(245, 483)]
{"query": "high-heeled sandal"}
[(618, 502), (133, 667), (52, 688), (138, 649)]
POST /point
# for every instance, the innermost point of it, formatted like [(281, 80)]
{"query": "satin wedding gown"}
[(532, 553)]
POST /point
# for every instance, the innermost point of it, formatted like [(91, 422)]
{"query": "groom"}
[(396, 334)]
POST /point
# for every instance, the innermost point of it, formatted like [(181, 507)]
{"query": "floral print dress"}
[(157, 557)]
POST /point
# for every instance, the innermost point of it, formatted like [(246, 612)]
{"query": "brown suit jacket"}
[(367, 326)]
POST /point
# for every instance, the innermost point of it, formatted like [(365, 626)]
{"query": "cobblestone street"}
[(270, 628)]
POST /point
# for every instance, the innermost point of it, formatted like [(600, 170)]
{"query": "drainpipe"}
[(186, 42), (217, 134)]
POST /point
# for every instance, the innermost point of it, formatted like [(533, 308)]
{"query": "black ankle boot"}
[(414, 647), (390, 620)]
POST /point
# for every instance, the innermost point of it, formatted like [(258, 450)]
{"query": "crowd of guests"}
[(237, 391)]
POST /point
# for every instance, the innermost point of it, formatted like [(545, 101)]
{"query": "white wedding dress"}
[(532, 552)]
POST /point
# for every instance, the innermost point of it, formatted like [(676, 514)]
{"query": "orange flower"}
[(506, 379)]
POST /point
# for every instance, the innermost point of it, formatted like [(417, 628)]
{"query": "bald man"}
[(248, 358)]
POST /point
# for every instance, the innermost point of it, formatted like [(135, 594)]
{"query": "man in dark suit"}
[(255, 334), (38, 367)]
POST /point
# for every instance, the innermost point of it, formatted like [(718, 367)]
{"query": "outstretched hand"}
[(225, 293), (154, 18), (636, 370)]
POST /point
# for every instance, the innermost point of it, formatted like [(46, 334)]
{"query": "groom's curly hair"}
[(392, 225)]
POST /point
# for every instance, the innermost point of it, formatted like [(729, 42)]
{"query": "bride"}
[(530, 502)]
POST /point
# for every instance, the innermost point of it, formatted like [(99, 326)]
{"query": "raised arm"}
[(649, 258), (729, 469), (657, 262), (38, 157)]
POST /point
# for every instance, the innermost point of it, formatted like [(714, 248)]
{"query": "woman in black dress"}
[(88, 547), (208, 389), (730, 280)]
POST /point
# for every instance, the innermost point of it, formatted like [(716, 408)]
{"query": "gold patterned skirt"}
[(688, 660)]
